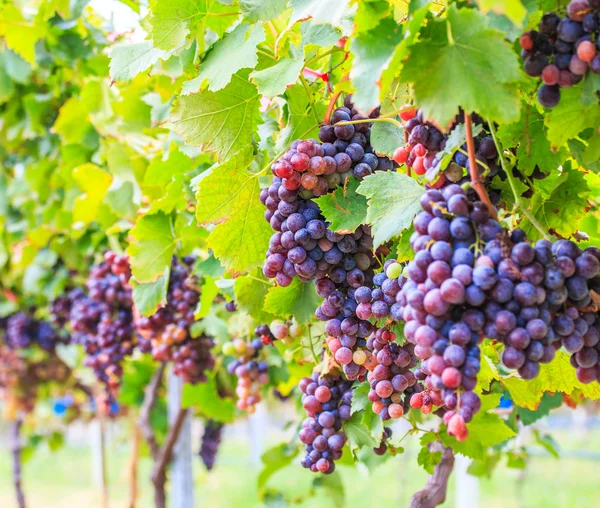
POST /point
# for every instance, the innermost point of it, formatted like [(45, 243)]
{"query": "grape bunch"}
[(562, 50), (286, 332), (24, 331), (425, 141), (383, 446), (211, 439), (166, 334), (326, 400), (390, 379), (102, 320), (250, 368), (585, 353)]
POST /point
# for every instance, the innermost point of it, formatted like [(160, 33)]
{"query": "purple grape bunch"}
[(211, 440), (326, 400)]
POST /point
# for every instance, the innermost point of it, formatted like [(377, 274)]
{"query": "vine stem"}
[(513, 186), (381, 119), (474, 173), (15, 437), (133, 465), (150, 396), (435, 489)]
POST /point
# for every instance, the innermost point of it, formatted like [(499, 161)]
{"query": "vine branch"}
[(150, 396), (435, 489), (15, 438), (513, 187), (474, 173)]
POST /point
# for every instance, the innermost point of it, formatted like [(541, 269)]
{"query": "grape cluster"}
[(326, 400), (166, 334), (563, 49), (211, 439), (302, 244), (383, 446), (250, 368), (102, 320), (390, 378), (585, 353), (23, 331), (425, 141)]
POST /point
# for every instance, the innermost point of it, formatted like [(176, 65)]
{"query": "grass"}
[(64, 478)]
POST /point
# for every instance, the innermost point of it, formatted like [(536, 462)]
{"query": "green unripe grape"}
[(228, 349), (394, 270)]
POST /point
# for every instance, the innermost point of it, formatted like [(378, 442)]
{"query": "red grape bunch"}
[(563, 49), (326, 400), (24, 331), (250, 368), (211, 440), (102, 320), (585, 357), (166, 334)]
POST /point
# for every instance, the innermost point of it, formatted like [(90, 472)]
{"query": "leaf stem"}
[(312, 346), (511, 180), (473, 170)]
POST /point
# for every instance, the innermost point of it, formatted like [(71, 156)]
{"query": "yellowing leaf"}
[(94, 182), (20, 35)]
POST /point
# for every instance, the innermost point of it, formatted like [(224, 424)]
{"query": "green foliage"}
[(299, 300), (344, 208)]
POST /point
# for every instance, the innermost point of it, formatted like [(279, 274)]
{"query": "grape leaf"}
[(428, 459), (373, 51), (512, 9), (72, 123), (369, 13), (529, 135), (152, 245), (360, 398), (344, 208), (461, 51), (333, 487), (276, 79), (149, 297), (386, 137), (275, 459), (128, 60), (172, 20), (222, 122), (569, 117), (358, 434), (160, 171), (455, 140), (299, 299), (319, 34), (373, 422), (548, 402), (205, 399), (94, 182), (559, 203), (262, 10), (393, 201), (20, 35), (404, 251), (590, 86), (302, 120), (241, 242), (250, 294), (229, 55), (583, 153)]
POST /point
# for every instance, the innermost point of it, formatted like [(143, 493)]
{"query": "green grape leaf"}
[(569, 117), (373, 422), (229, 55), (262, 10), (428, 459), (358, 434), (373, 51), (302, 120), (94, 182), (250, 294), (344, 208), (393, 201), (559, 203), (128, 60), (333, 487), (161, 171), (547, 442), (19, 34), (512, 9), (360, 398), (334, 12), (460, 51), (369, 13), (222, 122), (152, 246), (208, 293), (548, 402), (404, 250), (275, 80), (206, 400), (275, 459), (150, 297), (584, 153), (590, 86), (455, 140), (72, 123), (172, 20), (299, 300), (528, 135), (386, 137), (323, 35)]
